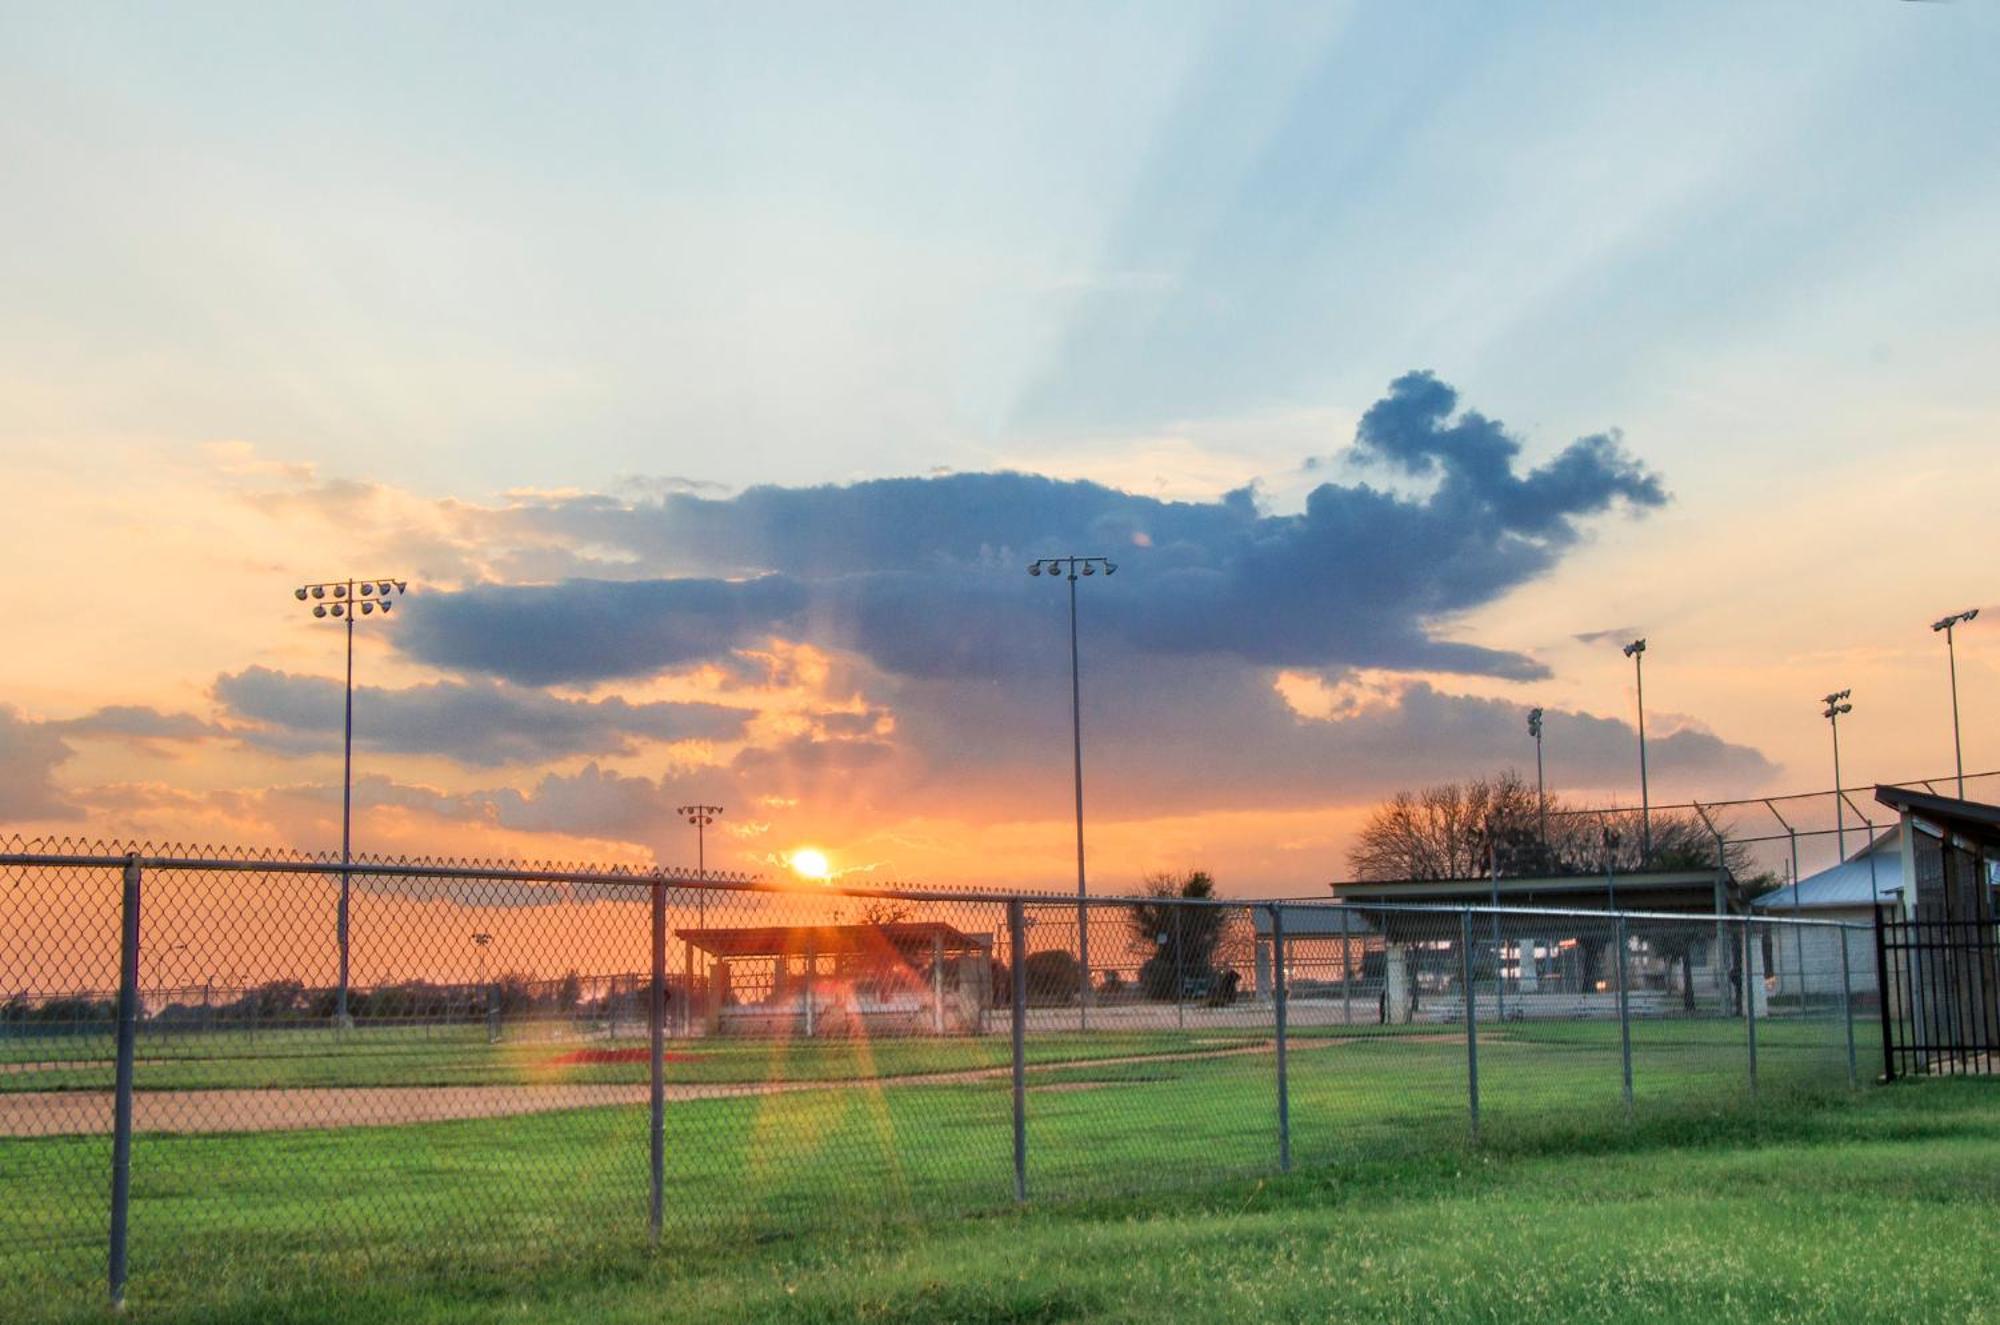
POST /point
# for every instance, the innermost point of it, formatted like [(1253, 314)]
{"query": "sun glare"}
[(811, 863)]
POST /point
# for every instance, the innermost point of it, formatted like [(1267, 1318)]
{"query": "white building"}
[(1808, 960)]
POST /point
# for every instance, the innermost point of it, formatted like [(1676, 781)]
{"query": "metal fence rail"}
[(535, 1060), (1941, 1011)]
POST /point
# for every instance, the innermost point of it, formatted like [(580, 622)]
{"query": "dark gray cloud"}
[(585, 630), (923, 576), (478, 722), (1203, 733), (1417, 429), (138, 722), (1206, 736), (29, 755)]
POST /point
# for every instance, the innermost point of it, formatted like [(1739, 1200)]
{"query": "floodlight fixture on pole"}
[(480, 941), (1541, 792), (344, 600), (1636, 651), (1951, 652), (701, 816), (1836, 704), (1073, 569)]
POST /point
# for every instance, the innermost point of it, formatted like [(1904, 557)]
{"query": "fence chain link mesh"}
[(821, 1054)]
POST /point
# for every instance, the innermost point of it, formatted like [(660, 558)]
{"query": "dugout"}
[(898, 978), (1560, 963)]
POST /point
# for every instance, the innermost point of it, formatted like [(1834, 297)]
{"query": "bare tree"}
[(1446, 831), (1441, 832)]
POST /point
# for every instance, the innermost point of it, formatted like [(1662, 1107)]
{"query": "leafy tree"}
[(1052, 977), (1183, 939)]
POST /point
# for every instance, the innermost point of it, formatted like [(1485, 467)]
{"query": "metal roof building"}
[(1871, 875)]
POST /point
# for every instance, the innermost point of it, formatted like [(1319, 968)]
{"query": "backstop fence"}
[(220, 1069)]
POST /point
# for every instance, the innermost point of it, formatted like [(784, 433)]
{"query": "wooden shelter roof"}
[(898, 937)]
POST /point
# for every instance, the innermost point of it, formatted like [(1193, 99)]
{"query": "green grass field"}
[(1873, 1208), (402, 1218), (462, 1055)]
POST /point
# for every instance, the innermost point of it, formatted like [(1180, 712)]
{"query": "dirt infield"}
[(89, 1112)]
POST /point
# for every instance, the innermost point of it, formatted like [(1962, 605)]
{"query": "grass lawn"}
[(462, 1056), (1877, 1207), (781, 1189)]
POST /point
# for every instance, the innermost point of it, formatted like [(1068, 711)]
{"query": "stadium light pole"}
[(1951, 652), (701, 816), (344, 600), (1073, 569), (1541, 792), (1636, 651), (1836, 704)]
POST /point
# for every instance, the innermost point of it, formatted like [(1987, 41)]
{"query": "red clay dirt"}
[(639, 1054)]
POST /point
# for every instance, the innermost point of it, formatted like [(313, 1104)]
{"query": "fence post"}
[(656, 1054), (1471, 1021), (1499, 962), (1084, 990), (1847, 1008), (1180, 974), (812, 1004), (937, 984), (1750, 1001), (121, 1124), (1882, 988), (1624, 1014), (1017, 941), (1346, 973), (1279, 1010)]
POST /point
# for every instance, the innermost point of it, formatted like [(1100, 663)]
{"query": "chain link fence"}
[(524, 1063)]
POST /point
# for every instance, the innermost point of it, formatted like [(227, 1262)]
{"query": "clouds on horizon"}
[(480, 723), (923, 576), (29, 755), (1273, 761), (884, 656)]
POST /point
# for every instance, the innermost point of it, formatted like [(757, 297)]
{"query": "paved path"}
[(89, 1112)]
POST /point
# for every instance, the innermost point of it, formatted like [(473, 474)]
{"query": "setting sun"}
[(811, 863)]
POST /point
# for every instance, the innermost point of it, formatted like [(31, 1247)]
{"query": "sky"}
[(712, 374)]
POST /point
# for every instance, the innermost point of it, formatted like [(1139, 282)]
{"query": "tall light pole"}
[(1836, 704), (1636, 651), (1073, 569), (1541, 793), (1951, 652), (343, 600), (701, 816)]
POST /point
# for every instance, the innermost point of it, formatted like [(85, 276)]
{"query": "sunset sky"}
[(713, 373)]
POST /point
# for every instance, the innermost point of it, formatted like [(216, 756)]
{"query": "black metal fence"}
[(1940, 1005), (532, 1061)]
